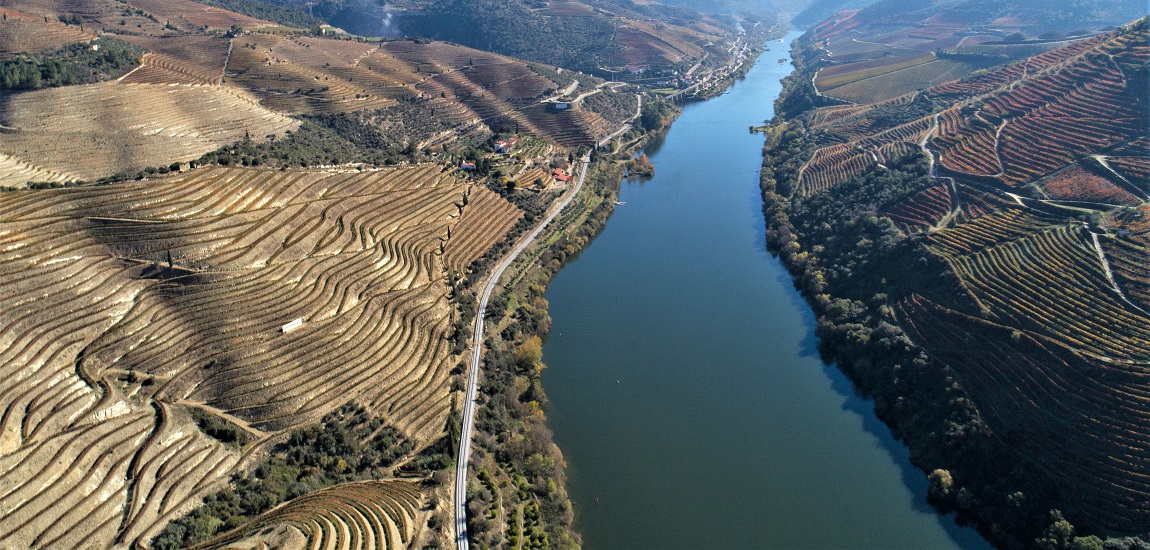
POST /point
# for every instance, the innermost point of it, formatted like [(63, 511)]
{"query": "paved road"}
[(626, 124), (477, 353), (562, 92)]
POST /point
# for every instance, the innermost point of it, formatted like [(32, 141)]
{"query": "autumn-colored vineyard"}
[(1084, 104), (129, 302), (1037, 205), (863, 150)]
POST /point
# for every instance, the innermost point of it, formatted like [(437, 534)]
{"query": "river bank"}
[(687, 393), (513, 400)]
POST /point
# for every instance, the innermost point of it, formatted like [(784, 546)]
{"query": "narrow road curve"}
[(626, 124), (562, 92), (476, 355)]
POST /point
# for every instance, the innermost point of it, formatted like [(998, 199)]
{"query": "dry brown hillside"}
[(197, 90), (127, 304)]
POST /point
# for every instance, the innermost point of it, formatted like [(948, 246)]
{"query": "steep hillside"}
[(129, 305), (582, 35), (816, 11), (238, 264), (896, 47), (978, 253), (195, 91)]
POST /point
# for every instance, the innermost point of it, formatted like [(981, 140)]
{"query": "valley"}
[(328, 274)]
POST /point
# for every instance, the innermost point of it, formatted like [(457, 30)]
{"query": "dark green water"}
[(686, 391)]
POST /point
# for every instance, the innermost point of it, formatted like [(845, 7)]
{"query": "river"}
[(686, 391)]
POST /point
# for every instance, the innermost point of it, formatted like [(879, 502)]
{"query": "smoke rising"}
[(366, 18)]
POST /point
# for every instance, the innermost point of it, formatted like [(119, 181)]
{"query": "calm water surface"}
[(686, 391)]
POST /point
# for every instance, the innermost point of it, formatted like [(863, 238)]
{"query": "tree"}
[(941, 489), (1060, 536), (529, 353)]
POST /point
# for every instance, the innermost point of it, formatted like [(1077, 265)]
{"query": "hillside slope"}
[(978, 254), (256, 339), (197, 90), (587, 35), (130, 304), (896, 47)]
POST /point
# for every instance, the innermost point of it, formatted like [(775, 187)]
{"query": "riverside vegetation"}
[(519, 497), (908, 269)]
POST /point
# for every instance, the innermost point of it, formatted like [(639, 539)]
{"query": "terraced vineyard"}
[(128, 303), (874, 54), (189, 16), (1036, 397), (1030, 192), (487, 221), (1082, 105), (924, 209), (899, 80), (26, 32), (196, 92), (988, 82), (467, 89), (1081, 183), (192, 59), (1051, 283), (640, 43), (96, 130), (833, 164), (371, 514)]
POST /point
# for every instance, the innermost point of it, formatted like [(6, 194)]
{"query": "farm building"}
[(506, 145)]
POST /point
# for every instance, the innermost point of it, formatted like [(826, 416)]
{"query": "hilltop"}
[(977, 249)]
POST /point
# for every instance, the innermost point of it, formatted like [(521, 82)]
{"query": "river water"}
[(686, 391)]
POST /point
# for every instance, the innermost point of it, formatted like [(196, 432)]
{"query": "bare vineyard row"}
[(130, 298)]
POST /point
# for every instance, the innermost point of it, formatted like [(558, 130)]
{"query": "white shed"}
[(292, 325)]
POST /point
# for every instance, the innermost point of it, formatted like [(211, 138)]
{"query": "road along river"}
[(686, 391)]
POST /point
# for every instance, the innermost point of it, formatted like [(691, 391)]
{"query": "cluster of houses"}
[(507, 145), (679, 81)]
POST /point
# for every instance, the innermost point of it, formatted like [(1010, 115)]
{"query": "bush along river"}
[(686, 390)]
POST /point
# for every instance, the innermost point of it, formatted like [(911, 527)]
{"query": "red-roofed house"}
[(561, 175), (467, 165)]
